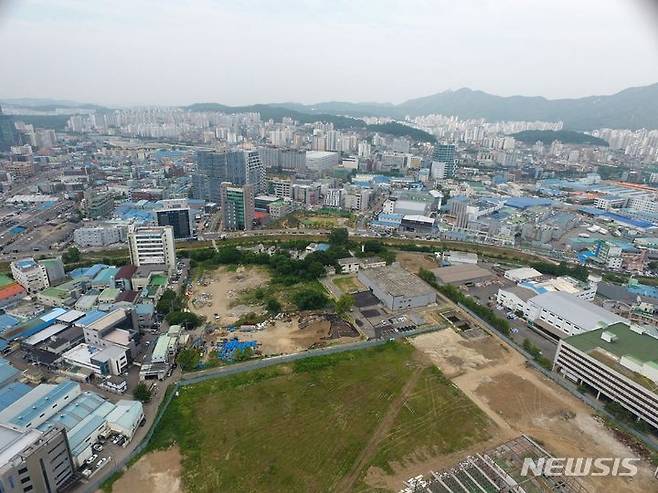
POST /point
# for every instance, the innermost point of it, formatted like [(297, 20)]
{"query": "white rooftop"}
[(581, 313)]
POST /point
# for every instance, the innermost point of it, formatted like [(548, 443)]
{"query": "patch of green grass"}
[(301, 427), (347, 284), (437, 419)]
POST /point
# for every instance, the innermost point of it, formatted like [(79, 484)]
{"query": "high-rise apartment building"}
[(150, 245), (445, 153), (8, 134), (180, 219), (237, 206), (236, 167)]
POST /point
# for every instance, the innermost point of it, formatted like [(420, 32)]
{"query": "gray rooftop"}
[(579, 312)]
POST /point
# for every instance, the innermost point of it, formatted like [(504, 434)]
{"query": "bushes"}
[(536, 354)]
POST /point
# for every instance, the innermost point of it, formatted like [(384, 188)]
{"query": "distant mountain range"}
[(633, 108)]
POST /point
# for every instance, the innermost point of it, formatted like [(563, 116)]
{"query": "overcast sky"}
[(121, 52)]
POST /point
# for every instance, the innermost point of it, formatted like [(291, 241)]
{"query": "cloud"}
[(238, 52)]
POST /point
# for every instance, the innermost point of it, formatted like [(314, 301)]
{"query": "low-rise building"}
[(30, 274), (349, 264), (560, 314), (396, 288)]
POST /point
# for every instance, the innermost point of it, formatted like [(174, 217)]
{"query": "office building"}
[(237, 207), (29, 274), (445, 153), (618, 362), (97, 205), (150, 245), (179, 219), (32, 460), (99, 235)]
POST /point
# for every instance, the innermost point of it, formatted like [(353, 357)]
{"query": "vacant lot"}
[(334, 423), (348, 284), (157, 472), (520, 400), (218, 290), (414, 261)]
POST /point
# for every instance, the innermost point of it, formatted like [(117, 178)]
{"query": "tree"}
[(142, 393), (188, 359), (310, 299), (188, 320), (273, 306), (169, 302), (71, 255), (339, 237), (343, 304)]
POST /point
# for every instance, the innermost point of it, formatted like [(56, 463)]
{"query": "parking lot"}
[(486, 295)]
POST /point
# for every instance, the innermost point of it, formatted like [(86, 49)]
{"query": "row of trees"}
[(562, 269), (485, 313)]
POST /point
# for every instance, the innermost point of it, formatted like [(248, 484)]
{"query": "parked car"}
[(102, 462), (91, 459), (97, 447)]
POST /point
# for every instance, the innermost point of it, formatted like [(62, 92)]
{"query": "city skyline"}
[(305, 52)]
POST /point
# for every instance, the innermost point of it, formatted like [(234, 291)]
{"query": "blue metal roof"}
[(12, 392), (7, 321), (90, 318), (7, 371), (53, 314), (638, 223), (25, 416), (525, 202)]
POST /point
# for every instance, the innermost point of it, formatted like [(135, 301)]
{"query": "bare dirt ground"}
[(522, 401), (413, 261), (222, 290), (285, 336), (156, 472)]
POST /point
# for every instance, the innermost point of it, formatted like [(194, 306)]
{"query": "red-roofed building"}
[(11, 294)]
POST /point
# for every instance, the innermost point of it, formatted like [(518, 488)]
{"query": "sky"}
[(174, 52)]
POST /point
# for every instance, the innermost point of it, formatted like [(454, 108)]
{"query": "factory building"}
[(396, 288), (618, 362)]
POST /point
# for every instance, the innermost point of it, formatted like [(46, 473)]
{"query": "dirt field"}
[(413, 261), (520, 400), (285, 336), (222, 289), (156, 472)]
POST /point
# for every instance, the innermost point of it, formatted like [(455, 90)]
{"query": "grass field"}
[(348, 284), (318, 424)]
